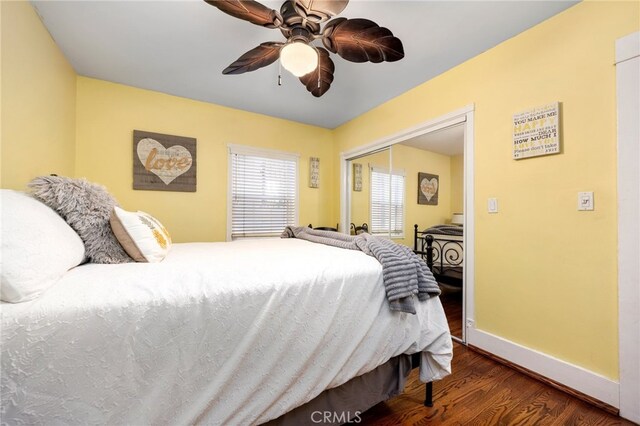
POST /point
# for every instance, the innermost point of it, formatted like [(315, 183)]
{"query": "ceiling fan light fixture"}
[(302, 22), (299, 58)]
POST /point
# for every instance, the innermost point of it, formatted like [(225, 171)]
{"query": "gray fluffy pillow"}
[(87, 208)]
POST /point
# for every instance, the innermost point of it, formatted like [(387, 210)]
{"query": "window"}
[(387, 202), (263, 192)]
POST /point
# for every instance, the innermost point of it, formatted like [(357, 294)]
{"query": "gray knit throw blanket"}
[(404, 274)]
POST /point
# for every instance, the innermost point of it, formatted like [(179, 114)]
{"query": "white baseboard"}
[(578, 378)]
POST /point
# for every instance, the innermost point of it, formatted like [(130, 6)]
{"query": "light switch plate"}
[(492, 205), (585, 201)]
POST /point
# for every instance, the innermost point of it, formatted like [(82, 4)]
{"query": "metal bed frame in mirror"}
[(444, 255)]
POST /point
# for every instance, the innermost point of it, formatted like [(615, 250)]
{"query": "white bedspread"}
[(217, 333)]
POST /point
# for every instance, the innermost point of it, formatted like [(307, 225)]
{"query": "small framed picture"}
[(428, 186), (314, 172), (357, 177)]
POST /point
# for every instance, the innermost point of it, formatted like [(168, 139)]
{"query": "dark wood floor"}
[(481, 391), (451, 299)]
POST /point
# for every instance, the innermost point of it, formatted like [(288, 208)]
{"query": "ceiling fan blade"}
[(256, 58), (361, 40), (249, 10), (319, 10), (324, 72)]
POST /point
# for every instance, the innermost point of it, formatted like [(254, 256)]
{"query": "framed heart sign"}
[(163, 162), (428, 186)]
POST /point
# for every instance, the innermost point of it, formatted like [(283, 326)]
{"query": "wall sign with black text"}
[(537, 132)]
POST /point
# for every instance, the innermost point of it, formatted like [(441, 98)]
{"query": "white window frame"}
[(397, 172), (259, 152)]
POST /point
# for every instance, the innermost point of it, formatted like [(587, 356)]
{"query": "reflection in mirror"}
[(419, 181), (368, 193), (434, 166)]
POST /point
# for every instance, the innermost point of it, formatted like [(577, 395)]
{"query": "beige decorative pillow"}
[(141, 235)]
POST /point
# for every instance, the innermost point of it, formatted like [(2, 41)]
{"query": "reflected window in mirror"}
[(387, 202)]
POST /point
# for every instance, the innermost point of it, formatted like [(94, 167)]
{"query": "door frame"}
[(627, 87), (464, 116)]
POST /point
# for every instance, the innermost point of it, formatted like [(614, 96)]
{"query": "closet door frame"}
[(464, 115), (628, 110)]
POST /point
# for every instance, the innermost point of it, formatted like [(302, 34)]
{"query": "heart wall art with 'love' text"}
[(428, 186), (163, 162)]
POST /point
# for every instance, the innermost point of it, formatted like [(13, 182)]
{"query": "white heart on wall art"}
[(429, 187), (166, 163)]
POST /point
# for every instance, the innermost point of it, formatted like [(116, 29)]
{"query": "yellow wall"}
[(545, 273), (38, 100), (411, 161), (457, 184), (107, 114)]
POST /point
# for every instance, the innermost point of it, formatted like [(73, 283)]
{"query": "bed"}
[(217, 333), (441, 246)]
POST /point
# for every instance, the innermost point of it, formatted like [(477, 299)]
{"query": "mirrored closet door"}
[(435, 162), (413, 193)]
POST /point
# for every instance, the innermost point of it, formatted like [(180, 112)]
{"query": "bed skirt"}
[(348, 401)]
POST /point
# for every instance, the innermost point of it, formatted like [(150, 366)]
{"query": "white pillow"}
[(141, 235), (38, 247)]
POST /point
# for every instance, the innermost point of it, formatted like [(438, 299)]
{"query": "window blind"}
[(387, 202), (263, 195)]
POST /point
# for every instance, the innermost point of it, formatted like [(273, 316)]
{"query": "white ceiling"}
[(447, 141), (181, 48)]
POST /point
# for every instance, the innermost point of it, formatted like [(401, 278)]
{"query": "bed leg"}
[(428, 395)]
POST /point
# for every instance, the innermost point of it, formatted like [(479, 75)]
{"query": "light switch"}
[(492, 205), (585, 200)]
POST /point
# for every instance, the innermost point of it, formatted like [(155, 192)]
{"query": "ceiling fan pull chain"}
[(279, 72), (319, 63)]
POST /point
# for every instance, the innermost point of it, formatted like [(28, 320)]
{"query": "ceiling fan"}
[(356, 40)]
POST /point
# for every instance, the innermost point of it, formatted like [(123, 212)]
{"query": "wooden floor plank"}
[(451, 299), (480, 392)]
